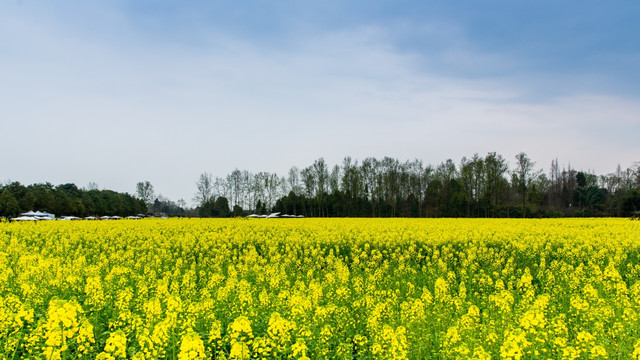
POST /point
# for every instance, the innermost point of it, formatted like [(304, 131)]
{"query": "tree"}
[(256, 184), (631, 202), (581, 179), (9, 206), (221, 207), (145, 192), (181, 203), (271, 187), (467, 178), (204, 189), (235, 184), (294, 180), (496, 184), (522, 177), (237, 210), (43, 196), (334, 179), (353, 187), (368, 172), (556, 184), (206, 209)]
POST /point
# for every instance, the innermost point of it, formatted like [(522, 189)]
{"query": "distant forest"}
[(476, 187), (66, 199)]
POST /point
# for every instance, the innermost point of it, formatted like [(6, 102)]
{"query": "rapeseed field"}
[(321, 289)]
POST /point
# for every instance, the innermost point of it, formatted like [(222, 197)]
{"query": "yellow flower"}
[(515, 344), (240, 330), (636, 351), (240, 351), (480, 354), (299, 349), (441, 289), (191, 347), (533, 320), (391, 344), (116, 345)]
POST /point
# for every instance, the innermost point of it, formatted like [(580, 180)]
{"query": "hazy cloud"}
[(90, 94)]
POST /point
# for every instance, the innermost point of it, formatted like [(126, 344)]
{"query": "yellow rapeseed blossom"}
[(299, 350), (636, 351), (515, 344), (116, 346), (62, 325), (321, 289), (191, 347)]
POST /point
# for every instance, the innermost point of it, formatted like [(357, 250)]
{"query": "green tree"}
[(9, 206), (495, 183), (472, 174), (145, 192), (522, 177), (221, 207), (43, 197), (237, 210)]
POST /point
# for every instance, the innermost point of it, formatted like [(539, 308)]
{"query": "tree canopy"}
[(479, 186), (66, 199)]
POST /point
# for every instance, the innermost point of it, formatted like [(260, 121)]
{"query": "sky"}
[(117, 92)]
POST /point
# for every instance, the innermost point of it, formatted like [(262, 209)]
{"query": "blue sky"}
[(119, 92)]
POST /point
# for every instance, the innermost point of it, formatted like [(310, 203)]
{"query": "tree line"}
[(66, 199), (478, 186)]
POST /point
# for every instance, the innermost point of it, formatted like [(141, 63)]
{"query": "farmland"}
[(321, 289)]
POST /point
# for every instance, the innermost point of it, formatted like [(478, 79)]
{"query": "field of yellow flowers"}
[(321, 289)]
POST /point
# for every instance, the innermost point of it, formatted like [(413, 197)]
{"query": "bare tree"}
[(466, 175), (204, 189), (369, 170), (294, 180), (283, 186), (247, 191), (556, 184), (425, 175), (446, 171), (522, 177), (220, 188), (272, 185), (145, 192), (322, 176), (182, 204), (234, 181), (257, 190), (334, 179), (635, 169)]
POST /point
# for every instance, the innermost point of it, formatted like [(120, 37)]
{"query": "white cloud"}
[(118, 110)]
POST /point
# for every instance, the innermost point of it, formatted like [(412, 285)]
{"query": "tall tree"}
[(334, 179), (294, 180), (145, 192), (556, 185), (522, 176), (308, 176), (467, 179), (322, 179), (204, 189), (235, 182), (496, 185), (369, 172), (272, 187)]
